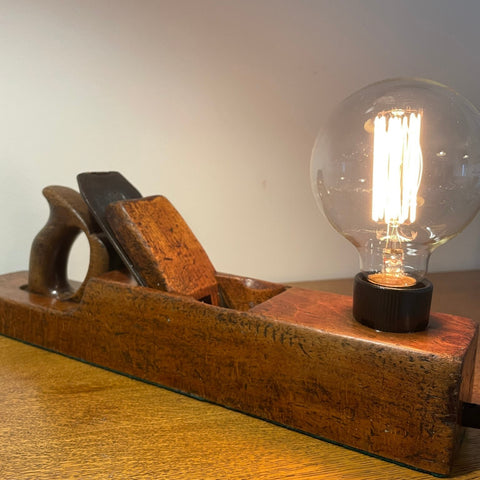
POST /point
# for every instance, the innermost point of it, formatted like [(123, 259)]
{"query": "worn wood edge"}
[(243, 293)]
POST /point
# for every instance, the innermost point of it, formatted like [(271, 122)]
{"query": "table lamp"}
[(397, 172)]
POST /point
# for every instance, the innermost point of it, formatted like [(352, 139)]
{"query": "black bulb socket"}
[(392, 309)]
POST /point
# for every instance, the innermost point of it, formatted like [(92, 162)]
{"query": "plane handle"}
[(69, 216)]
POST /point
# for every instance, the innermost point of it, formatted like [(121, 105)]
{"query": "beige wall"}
[(215, 104)]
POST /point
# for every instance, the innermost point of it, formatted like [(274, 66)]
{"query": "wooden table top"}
[(65, 419)]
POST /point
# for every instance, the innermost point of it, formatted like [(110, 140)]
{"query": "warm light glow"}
[(397, 167), (397, 172)]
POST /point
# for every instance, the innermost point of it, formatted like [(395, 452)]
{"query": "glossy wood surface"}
[(65, 419)]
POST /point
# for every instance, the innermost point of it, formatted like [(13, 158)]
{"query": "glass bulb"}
[(397, 172)]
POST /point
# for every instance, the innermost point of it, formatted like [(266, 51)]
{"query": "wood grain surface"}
[(162, 248), (457, 293), (66, 419)]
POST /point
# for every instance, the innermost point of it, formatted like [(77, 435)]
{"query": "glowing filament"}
[(397, 167), (397, 172)]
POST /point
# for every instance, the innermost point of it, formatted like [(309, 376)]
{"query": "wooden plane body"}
[(291, 356)]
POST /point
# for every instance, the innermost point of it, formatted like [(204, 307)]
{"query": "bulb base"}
[(390, 309)]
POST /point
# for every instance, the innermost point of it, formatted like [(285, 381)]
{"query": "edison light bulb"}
[(397, 172)]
